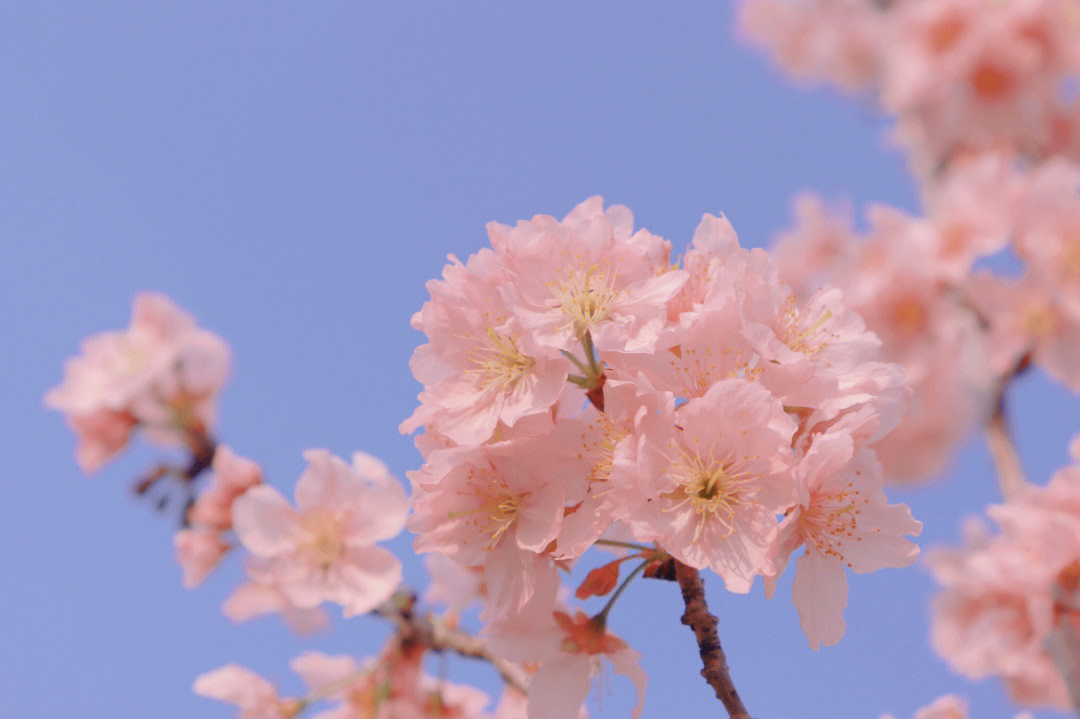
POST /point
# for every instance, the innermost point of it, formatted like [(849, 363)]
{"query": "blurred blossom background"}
[(293, 175)]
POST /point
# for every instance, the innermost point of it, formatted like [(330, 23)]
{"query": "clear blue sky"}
[(293, 174)]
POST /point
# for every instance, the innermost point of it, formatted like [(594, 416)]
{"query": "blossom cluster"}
[(582, 389), (1009, 598), (968, 296), (393, 684), (162, 375), (959, 76)]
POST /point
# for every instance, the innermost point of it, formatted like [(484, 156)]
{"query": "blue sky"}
[(293, 174)]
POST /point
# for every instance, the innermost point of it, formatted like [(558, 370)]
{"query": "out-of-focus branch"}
[(427, 631), (697, 617), (1010, 472), (999, 439), (1063, 645)]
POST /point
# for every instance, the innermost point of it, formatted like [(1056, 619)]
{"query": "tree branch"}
[(1010, 471), (438, 637), (697, 617)]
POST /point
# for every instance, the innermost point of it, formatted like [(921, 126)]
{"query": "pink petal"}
[(820, 594), (264, 521)]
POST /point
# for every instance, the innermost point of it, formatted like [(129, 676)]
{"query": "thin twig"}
[(438, 637), (1010, 471), (697, 617)]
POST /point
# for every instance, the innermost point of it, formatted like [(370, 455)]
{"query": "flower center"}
[(325, 542), (799, 333), (499, 361), (713, 489), (909, 316), (586, 297), (831, 519), (496, 515)]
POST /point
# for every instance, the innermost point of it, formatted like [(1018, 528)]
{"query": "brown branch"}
[(429, 632), (999, 440), (703, 624)]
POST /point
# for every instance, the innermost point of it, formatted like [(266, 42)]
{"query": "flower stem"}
[(624, 545), (601, 616)]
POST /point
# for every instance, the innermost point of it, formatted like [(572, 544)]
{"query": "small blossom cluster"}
[(959, 76), (1007, 598), (580, 388), (204, 541), (391, 685), (161, 375)]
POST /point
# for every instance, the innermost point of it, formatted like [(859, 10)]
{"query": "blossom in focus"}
[(163, 375), (498, 506), (589, 273), (844, 520), (324, 549), (727, 475), (480, 366)]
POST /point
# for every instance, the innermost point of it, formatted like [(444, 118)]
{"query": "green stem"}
[(577, 363), (601, 617), (624, 545), (590, 354)]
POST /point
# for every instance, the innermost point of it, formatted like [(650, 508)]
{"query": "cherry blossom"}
[(589, 273), (727, 476), (325, 549), (843, 519), (162, 374), (254, 696)]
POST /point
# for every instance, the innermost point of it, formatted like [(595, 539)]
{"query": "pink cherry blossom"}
[(1004, 595), (894, 279), (254, 696), (198, 550), (963, 75), (727, 476), (453, 584), (163, 374), (480, 366), (843, 518), (837, 41), (619, 459), (498, 506), (588, 274), (255, 598), (949, 706), (389, 686), (324, 550), (232, 476)]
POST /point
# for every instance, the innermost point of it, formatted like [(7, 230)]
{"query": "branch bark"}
[(438, 637), (703, 623), (1010, 471)]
